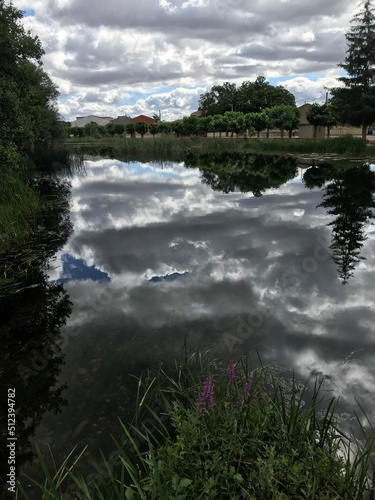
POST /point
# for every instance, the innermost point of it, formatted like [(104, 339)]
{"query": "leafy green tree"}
[(219, 99), (130, 129), (91, 129), (254, 97), (119, 128), (330, 117), (164, 128), (257, 121), (190, 125), (236, 122), (110, 129), (154, 128), (315, 116), (250, 97), (141, 128), (178, 128), (322, 115), (219, 124), (28, 111), (355, 102), (284, 117), (206, 124)]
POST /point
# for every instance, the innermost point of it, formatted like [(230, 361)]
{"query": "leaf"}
[(129, 494), (184, 483)]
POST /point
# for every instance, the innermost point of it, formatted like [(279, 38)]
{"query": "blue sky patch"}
[(28, 12)]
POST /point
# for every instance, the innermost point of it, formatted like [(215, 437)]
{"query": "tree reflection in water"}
[(32, 312), (246, 172), (348, 197)]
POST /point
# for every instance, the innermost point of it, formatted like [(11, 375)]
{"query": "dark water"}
[(238, 253)]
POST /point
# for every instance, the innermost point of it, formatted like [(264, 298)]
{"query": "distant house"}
[(306, 130), (196, 113), (123, 120), (81, 121), (143, 118)]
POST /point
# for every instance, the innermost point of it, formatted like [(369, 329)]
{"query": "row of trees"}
[(282, 117), (28, 104), (111, 129)]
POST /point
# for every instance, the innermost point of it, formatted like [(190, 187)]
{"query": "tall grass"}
[(347, 145), (18, 205), (225, 434), (165, 144)]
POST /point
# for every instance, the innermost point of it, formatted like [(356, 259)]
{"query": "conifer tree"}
[(355, 102)]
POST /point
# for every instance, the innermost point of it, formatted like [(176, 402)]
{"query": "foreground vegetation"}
[(29, 124), (234, 433)]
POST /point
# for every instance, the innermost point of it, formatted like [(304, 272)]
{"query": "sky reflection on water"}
[(248, 281)]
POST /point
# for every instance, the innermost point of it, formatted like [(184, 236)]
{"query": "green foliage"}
[(164, 128), (349, 200), (28, 113), (190, 125), (250, 97), (141, 128), (230, 171), (322, 115), (263, 438), (219, 99), (346, 145), (235, 122), (153, 128), (258, 121), (18, 208), (130, 129), (355, 103), (283, 117)]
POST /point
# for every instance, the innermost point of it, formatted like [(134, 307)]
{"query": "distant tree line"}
[(231, 123)]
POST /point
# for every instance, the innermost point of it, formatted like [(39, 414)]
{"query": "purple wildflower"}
[(247, 389), (206, 397), (231, 375)]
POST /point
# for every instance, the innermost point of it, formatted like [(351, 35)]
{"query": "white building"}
[(81, 121)]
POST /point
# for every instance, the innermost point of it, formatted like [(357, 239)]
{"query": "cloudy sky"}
[(130, 57)]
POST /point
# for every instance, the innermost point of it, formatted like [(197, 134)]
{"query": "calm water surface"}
[(159, 252)]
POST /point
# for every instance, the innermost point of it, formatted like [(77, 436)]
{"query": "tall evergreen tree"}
[(355, 103)]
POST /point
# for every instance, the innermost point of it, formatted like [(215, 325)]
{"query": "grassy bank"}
[(233, 433), (18, 206), (164, 145)]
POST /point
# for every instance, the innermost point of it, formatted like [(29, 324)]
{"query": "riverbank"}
[(161, 145), (225, 433)]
